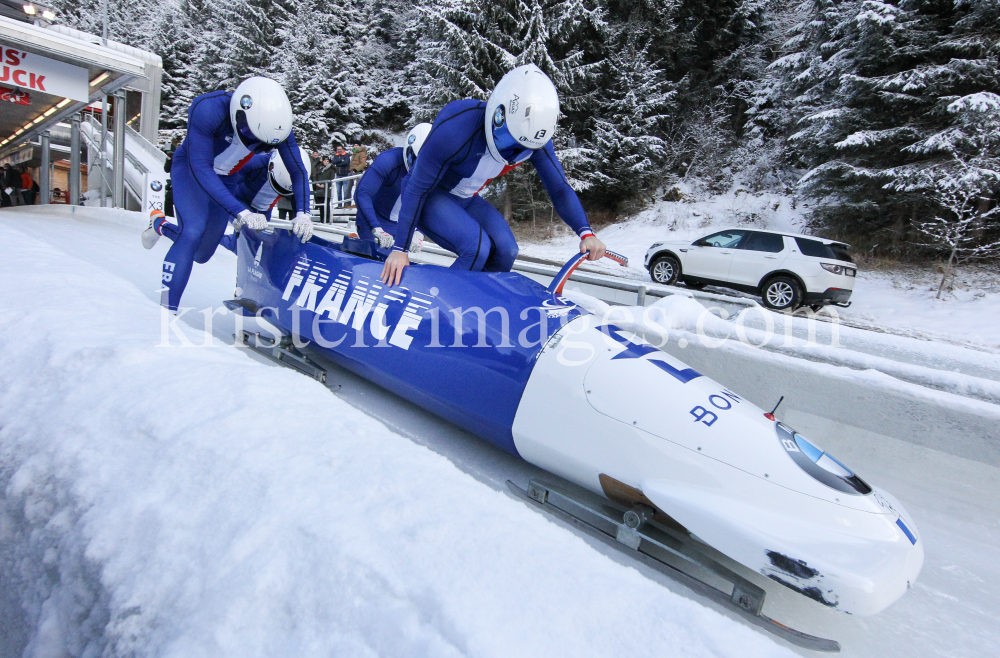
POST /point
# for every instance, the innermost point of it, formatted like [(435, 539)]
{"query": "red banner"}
[(15, 96)]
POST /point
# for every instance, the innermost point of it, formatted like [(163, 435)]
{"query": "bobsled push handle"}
[(555, 288)]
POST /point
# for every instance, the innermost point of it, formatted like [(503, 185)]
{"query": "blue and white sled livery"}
[(665, 460)]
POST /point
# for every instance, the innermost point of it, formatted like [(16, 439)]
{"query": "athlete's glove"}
[(302, 226), (252, 220), (384, 239), (417, 243)]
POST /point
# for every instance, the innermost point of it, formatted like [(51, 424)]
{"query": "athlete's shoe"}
[(151, 235)]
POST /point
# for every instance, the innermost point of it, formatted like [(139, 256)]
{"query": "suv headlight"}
[(657, 244), (837, 269)]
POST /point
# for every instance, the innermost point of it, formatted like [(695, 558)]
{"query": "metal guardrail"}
[(93, 143), (145, 145), (541, 267), (331, 206)]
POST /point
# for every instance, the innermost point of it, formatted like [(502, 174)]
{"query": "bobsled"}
[(646, 453)]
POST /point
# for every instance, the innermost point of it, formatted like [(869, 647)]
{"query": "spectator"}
[(168, 195), (316, 162), (57, 196), (26, 187), (7, 188), (323, 176), (359, 162), (13, 183), (342, 164), (286, 208)]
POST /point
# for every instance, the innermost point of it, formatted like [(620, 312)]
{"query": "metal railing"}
[(546, 269), (324, 195), (93, 142)]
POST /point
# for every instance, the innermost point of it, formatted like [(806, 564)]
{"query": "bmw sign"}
[(246, 102), (156, 186)]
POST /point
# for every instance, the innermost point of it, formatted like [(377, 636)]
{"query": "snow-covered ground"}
[(192, 501), (166, 500), (906, 300), (900, 301)]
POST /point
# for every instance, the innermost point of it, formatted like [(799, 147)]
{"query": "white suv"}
[(787, 270)]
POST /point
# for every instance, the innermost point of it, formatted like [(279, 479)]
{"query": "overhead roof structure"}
[(49, 73)]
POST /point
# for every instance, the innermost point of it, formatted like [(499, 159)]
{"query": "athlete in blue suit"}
[(225, 131), (470, 144), (377, 195), (378, 192), (264, 179), (255, 192)]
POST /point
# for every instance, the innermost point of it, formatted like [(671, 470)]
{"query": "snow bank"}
[(907, 299), (169, 501), (683, 318)]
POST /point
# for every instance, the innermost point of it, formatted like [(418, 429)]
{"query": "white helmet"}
[(277, 172), (521, 114), (261, 114), (414, 140)]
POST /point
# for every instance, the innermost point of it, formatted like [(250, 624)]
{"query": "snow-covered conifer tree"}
[(637, 104), (867, 84)]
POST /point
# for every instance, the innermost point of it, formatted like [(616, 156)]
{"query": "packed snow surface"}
[(191, 501), (161, 500), (967, 312)]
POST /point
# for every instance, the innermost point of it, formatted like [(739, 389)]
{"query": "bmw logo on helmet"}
[(246, 102), (156, 186), (498, 117), (411, 139)]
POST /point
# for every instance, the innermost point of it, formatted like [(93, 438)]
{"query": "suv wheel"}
[(665, 270), (782, 293)]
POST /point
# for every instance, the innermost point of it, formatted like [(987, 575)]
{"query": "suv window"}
[(769, 242), (835, 251), (840, 252), (814, 248), (724, 239)]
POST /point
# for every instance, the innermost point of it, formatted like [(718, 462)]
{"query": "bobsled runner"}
[(648, 454)]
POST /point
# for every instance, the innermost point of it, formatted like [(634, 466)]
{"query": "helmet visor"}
[(247, 137), (276, 186), (410, 157), (507, 146)]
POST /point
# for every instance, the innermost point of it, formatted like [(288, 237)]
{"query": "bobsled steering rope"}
[(555, 288)]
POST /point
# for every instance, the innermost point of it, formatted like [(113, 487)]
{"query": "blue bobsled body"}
[(459, 344), (629, 423)]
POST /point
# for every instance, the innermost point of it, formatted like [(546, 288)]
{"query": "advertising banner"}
[(29, 71)]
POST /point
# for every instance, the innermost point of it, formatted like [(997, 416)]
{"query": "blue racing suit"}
[(441, 194), (378, 193), (204, 174), (255, 191)]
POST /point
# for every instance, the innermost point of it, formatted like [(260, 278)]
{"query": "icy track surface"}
[(168, 501)]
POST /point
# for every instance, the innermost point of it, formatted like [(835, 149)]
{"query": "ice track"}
[(938, 453)]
